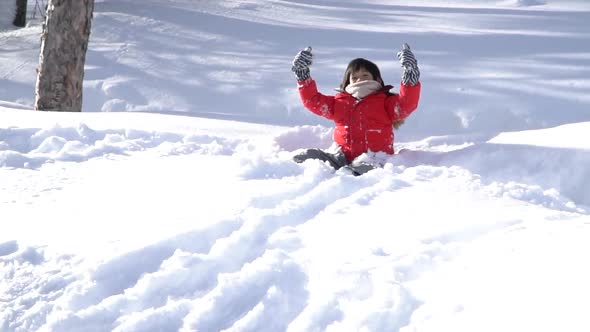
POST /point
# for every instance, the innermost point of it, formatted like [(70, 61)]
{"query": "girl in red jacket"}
[(364, 111)]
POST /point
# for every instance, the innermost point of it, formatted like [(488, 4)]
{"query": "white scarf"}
[(362, 89)]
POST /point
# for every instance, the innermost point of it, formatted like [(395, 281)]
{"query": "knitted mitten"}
[(411, 74), (301, 64)]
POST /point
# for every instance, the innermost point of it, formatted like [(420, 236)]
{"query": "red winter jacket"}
[(362, 125)]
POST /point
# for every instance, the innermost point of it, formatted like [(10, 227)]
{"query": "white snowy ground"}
[(172, 204)]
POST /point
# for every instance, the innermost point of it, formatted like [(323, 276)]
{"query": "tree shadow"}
[(481, 68)]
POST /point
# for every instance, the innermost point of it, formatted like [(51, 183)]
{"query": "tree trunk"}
[(63, 52), (20, 18)]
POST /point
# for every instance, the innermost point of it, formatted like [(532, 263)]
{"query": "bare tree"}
[(20, 18), (63, 52)]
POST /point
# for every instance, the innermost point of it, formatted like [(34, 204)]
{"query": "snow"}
[(171, 203)]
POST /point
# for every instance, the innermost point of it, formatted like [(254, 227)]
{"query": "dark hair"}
[(357, 64)]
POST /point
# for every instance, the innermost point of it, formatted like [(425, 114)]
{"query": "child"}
[(363, 110)]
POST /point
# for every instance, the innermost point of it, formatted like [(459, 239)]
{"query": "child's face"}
[(361, 75)]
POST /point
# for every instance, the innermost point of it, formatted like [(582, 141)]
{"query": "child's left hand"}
[(411, 74)]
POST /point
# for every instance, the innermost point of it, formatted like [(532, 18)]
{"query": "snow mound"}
[(33, 147)]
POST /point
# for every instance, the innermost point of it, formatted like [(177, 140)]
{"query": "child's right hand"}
[(301, 64), (303, 59)]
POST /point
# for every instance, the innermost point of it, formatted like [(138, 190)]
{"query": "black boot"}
[(336, 160)]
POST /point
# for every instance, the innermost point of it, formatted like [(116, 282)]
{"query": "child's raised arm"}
[(313, 100)]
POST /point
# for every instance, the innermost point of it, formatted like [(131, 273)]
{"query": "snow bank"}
[(319, 251), (33, 147)]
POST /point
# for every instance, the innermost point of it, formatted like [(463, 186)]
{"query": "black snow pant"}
[(337, 160)]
